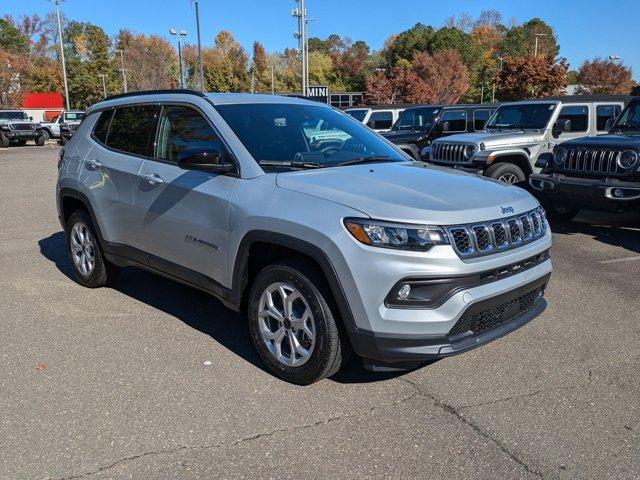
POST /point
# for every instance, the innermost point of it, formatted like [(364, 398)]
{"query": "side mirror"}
[(561, 126), (608, 126), (445, 127), (203, 158), (31, 119)]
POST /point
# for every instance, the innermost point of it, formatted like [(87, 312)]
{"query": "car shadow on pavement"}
[(196, 309), (616, 230)]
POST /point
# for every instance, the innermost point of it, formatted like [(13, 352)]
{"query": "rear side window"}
[(101, 129), (380, 120), (182, 127), (480, 117), (457, 120), (604, 113), (133, 129), (579, 116)]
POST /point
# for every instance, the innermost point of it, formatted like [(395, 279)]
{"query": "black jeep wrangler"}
[(418, 126), (597, 173)]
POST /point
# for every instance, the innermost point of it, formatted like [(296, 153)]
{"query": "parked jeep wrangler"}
[(519, 132), (53, 129), (418, 126), (16, 127), (598, 173)]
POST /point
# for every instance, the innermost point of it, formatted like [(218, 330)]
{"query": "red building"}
[(43, 106)]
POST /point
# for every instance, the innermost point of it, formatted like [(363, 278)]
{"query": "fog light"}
[(404, 291), (617, 193)]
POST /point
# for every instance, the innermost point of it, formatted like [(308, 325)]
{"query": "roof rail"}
[(155, 92)]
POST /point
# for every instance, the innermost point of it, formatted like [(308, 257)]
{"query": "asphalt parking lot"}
[(155, 380)]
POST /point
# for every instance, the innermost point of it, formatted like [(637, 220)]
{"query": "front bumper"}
[(22, 134), (606, 193)]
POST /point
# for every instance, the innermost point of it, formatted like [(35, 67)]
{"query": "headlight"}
[(469, 151), (627, 159), (560, 155), (395, 235)]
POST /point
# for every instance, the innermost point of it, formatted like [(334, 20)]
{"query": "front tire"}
[(293, 325), (40, 140), (560, 213), (508, 173), (90, 267)]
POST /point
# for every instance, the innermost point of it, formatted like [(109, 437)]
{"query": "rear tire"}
[(90, 267), (508, 173), (40, 140), (307, 329), (63, 140), (4, 141)]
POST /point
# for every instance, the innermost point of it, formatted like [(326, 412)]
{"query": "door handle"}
[(94, 163), (152, 178)]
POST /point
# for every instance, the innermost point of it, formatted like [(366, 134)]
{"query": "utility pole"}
[(64, 65), (300, 13), (124, 72), (199, 47), (104, 85), (183, 33), (535, 54)]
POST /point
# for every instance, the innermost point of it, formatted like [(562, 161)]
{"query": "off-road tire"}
[(40, 140), (506, 172)]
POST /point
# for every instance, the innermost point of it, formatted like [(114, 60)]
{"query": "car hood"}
[(494, 139), (615, 140), (411, 192)]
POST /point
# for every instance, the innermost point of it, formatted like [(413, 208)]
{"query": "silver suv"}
[(329, 245), (519, 132)]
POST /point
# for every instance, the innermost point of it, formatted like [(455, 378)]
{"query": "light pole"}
[(199, 47), (301, 14), (615, 58), (64, 65), (493, 95), (104, 85), (537, 35), (182, 33), (124, 73)]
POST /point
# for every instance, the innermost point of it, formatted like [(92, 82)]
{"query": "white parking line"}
[(619, 260)]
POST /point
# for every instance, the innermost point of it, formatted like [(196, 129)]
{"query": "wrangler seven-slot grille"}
[(448, 152), (483, 238), (23, 126), (592, 161)]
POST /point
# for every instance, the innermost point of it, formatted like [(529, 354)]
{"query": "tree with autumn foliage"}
[(531, 77), (600, 76)]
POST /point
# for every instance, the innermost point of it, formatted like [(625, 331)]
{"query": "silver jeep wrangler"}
[(519, 132)]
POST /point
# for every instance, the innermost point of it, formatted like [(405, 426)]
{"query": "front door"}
[(186, 212)]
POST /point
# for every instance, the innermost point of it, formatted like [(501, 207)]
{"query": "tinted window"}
[(629, 120), (604, 113), (380, 120), (102, 126), (525, 115), (73, 116), (457, 120), (182, 127), (579, 116), (133, 129), (14, 116), (417, 117), (303, 133), (357, 114), (480, 117)]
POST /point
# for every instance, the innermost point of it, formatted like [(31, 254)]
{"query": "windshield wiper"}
[(360, 160), (278, 163)]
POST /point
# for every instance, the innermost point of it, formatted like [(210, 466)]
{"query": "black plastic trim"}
[(154, 92)]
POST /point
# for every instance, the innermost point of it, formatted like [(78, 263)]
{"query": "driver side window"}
[(182, 127)]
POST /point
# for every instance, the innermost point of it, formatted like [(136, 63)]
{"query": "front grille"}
[(598, 161), (23, 126), (497, 315), (73, 127), (448, 152), (486, 237)]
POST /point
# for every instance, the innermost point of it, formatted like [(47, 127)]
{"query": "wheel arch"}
[(517, 158)]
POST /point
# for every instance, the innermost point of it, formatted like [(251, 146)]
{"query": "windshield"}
[(73, 116), (13, 116), (416, 118), (629, 119), (521, 116), (357, 114), (305, 135)]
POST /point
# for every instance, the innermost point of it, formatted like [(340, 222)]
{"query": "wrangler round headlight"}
[(395, 235), (560, 155), (469, 151), (628, 159)]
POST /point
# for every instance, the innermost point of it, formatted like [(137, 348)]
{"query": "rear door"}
[(186, 212), (380, 120), (123, 139)]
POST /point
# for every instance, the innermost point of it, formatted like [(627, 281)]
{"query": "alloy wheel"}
[(83, 250), (286, 324), (509, 178)]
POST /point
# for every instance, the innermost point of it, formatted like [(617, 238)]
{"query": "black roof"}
[(587, 98), (471, 105), (154, 92)]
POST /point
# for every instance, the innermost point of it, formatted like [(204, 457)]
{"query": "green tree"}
[(11, 40), (521, 40), (404, 45)]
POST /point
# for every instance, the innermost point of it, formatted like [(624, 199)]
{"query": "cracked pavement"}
[(153, 380)]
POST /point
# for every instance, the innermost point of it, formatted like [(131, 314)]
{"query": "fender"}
[(241, 268)]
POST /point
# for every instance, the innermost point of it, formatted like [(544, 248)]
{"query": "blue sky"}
[(585, 28)]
